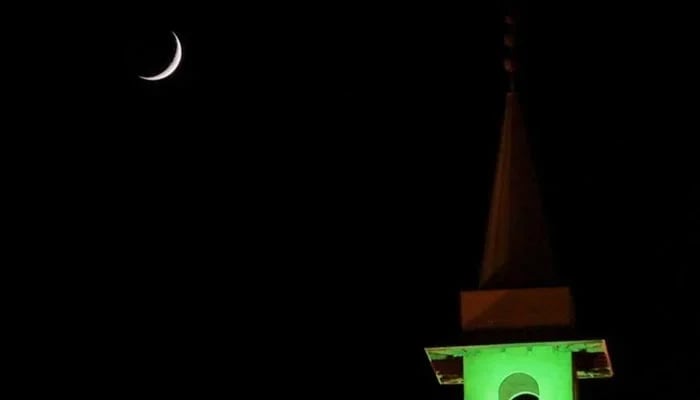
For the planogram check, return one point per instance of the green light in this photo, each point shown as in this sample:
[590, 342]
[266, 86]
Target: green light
[541, 370]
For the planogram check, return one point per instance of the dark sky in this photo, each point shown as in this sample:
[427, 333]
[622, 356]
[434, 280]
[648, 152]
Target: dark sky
[299, 206]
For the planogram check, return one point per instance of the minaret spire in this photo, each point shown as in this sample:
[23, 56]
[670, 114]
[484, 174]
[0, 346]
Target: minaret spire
[517, 252]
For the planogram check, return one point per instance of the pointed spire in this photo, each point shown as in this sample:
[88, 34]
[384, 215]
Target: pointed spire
[517, 252]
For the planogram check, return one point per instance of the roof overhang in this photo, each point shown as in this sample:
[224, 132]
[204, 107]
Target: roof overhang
[590, 357]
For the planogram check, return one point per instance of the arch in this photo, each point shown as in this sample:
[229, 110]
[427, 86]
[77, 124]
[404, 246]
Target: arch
[525, 396]
[517, 384]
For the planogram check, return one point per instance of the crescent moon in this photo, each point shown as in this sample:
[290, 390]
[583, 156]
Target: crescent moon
[173, 64]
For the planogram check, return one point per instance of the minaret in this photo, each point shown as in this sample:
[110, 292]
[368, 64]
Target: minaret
[518, 328]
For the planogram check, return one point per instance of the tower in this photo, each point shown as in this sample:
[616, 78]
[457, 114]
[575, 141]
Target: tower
[518, 329]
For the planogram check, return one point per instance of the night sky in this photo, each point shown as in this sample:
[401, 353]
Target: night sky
[297, 208]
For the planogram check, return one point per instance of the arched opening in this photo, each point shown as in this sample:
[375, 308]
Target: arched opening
[525, 396]
[519, 386]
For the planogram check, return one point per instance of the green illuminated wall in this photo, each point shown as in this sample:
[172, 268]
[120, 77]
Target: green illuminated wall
[501, 373]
